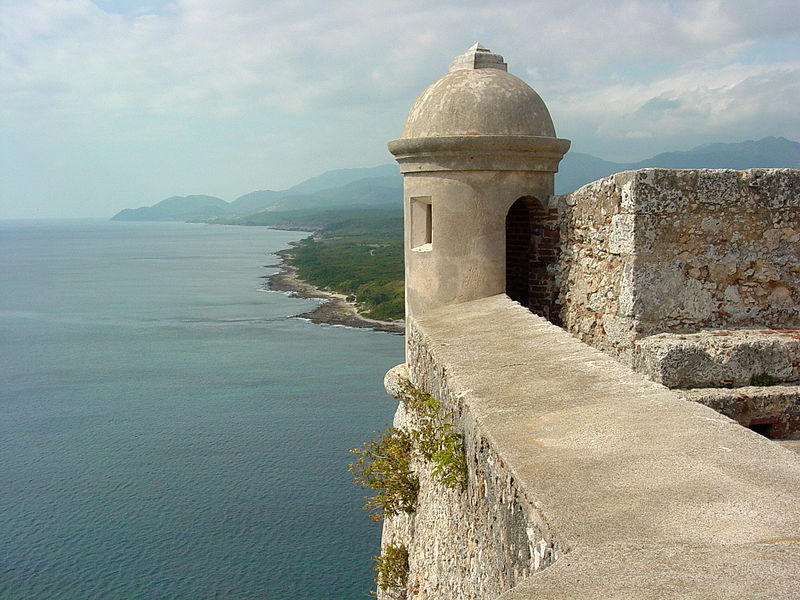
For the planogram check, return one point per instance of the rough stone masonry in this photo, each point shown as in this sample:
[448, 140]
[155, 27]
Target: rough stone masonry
[679, 251]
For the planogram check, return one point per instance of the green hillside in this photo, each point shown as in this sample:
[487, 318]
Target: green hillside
[360, 256]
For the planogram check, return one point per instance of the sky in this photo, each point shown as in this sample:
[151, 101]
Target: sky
[108, 104]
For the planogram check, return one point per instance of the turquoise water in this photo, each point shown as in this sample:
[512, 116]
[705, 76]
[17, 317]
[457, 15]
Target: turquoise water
[166, 431]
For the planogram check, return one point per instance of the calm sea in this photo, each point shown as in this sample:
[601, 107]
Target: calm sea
[166, 430]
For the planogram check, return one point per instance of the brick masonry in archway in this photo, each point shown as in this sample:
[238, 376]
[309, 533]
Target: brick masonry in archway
[531, 246]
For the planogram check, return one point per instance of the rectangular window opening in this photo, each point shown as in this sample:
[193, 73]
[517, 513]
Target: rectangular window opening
[421, 224]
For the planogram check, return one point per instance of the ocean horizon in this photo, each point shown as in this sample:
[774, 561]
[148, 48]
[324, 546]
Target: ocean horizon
[168, 429]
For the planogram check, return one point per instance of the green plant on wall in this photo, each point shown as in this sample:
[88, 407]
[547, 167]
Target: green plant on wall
[435, 439]
[392, 568]
[384, 464]
[450, 462]
[762, 380]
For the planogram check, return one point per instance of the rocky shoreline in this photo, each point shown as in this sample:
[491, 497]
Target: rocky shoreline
[335, 311]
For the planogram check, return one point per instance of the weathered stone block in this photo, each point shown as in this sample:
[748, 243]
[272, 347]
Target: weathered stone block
[719, 358]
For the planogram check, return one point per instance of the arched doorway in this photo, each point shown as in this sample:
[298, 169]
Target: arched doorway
[528, 255]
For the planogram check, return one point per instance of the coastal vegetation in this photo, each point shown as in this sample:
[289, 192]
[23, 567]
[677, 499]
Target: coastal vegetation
[434, 438]
[360, 257]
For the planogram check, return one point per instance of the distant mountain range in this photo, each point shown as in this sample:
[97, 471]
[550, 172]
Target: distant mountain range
[381, 187]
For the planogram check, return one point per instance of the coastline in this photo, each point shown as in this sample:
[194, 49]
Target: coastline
[336, 310]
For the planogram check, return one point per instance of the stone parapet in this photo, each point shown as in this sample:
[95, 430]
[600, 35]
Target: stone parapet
[628, 490]
[471, 544]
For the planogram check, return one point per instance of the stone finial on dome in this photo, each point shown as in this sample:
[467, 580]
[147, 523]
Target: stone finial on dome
[478, 57]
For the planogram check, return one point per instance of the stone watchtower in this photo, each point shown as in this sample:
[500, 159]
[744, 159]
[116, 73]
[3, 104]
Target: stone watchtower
[479, 154]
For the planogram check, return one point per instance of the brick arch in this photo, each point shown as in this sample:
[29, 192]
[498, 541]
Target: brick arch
[531, 246]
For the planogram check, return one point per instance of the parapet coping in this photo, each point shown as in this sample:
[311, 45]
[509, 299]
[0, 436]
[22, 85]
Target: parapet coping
[758, 179]
[654, 496]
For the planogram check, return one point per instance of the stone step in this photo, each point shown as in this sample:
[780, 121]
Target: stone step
[773, 411]
[719, 358]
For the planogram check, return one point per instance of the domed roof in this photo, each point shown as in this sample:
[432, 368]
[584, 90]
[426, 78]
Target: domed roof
[478, 97]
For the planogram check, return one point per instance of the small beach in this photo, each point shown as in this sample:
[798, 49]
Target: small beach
[336, 310]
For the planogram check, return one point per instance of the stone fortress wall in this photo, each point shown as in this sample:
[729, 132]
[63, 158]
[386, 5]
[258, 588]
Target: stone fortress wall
[585, 478]
[693, 278]
[678, 251]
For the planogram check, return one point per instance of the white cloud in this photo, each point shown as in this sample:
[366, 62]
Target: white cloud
[696, 101]
[226, 54]
[612, 72]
